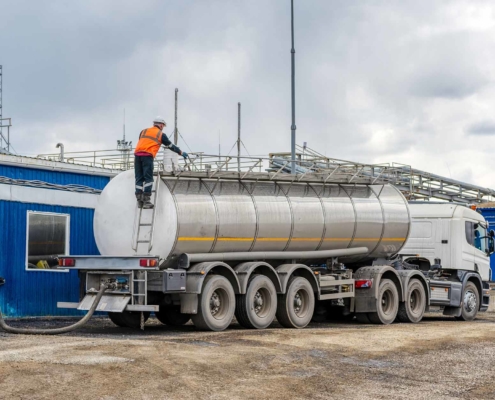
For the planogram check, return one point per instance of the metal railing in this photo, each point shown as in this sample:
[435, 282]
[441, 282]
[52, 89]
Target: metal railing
[311, 166]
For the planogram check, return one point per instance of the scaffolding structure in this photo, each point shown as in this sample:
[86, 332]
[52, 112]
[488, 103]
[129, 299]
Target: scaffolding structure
[311, 167]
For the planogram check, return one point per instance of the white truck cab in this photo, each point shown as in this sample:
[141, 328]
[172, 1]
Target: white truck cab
[455, 235]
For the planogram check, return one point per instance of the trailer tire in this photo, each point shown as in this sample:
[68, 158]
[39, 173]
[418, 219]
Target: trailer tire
[216, 305]
[117, 319]
[172, 317]
[414, 305]
[256, 309]
[128, 319]
[362, 318]
[387, 303]
[469, 302]
[296, 306]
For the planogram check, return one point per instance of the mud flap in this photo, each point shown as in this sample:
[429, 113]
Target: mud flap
[108, 303]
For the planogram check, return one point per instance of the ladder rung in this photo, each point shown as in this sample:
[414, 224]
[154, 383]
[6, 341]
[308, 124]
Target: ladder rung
[139, 280]
[144, 294]
[145, 224]
[143, 241]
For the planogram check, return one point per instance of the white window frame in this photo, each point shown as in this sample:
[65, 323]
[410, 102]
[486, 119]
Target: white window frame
[67, 239]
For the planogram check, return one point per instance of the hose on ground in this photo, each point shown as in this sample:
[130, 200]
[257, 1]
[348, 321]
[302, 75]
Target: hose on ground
[55, 331]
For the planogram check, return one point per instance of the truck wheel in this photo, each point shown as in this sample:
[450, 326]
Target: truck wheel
[470, 302]
[216, 304]
[128, 319]
[117, 319]
[387, 303]
[413, 307]
[256, 309]
[172, 317]
[296, 306]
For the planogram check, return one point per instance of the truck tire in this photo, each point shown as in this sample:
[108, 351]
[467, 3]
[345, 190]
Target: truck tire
[414, 305]
[128, 319]
[469, 302]
[296, 306]
[172, 317]
[387, 303]
[216, 304]
[256, 309]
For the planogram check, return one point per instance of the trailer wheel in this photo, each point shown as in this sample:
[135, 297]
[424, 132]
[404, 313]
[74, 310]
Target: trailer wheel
[387, 303]
[216, 304]
[256, 309]
[296, 306]
[117, 319]
[413, 307]
[469, 303]
[128, 319]
[172, 317]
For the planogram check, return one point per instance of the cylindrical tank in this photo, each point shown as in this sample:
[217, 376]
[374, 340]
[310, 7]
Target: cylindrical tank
[202, 216]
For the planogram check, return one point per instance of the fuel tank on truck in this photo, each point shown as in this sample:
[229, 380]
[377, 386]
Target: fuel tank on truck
[212, 216]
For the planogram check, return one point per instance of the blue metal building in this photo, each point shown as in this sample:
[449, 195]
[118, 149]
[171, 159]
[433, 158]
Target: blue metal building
[489, 214]
[44, 206]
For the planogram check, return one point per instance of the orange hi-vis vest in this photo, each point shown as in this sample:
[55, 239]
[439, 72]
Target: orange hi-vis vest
[150, 141]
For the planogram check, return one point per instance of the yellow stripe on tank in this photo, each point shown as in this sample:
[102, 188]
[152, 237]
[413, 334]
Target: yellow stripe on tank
[241, 239]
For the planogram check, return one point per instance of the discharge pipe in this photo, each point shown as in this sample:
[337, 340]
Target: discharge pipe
[56, 331]
[186, 259]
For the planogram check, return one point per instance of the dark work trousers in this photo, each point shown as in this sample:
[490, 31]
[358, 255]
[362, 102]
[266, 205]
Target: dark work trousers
[143, 169]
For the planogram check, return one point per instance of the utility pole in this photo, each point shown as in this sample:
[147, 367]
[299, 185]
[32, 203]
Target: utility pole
[293, 82]
[239, 137]
[176, 135]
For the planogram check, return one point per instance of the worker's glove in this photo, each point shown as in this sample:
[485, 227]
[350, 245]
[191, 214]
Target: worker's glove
[185, 155]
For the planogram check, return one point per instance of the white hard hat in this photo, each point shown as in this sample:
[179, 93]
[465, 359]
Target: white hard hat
[159, 120]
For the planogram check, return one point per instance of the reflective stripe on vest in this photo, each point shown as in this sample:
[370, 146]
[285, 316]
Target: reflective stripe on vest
[149, 141]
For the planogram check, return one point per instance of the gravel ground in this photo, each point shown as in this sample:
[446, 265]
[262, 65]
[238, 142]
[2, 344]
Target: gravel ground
[437, 359]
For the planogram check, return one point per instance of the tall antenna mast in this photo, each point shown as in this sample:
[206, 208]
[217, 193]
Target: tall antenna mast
[239, 137]
[176, 136]
[293, 84]
[125, 148]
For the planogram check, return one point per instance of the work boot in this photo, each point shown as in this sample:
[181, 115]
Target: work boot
[139, 198]
[146, 201]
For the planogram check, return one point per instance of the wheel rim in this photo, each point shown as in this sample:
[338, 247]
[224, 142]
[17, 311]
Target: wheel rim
[470, 301]
[262, 302]
[415, 301]
[301, 303]
[387, 302]
[219, 303]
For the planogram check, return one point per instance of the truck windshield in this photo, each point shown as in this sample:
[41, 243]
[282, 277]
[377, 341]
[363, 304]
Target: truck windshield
[476, 235]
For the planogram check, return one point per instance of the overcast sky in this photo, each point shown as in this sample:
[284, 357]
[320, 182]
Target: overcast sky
[376, 81]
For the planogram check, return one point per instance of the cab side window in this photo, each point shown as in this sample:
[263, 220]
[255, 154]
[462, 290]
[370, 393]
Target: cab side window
[476, 235]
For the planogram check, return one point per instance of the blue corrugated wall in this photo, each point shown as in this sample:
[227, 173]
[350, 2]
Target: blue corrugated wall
[35, 293]
[60, 178]
[489, 215]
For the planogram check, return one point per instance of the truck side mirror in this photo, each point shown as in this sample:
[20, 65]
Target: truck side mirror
[491, 245]
[491, 233]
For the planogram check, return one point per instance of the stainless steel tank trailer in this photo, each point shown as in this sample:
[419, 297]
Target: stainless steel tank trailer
[262, 249]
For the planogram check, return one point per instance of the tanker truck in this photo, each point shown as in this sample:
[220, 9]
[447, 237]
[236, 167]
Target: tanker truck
[261, 249]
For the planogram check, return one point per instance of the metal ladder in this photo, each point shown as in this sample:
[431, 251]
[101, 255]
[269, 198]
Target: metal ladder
[138, 222]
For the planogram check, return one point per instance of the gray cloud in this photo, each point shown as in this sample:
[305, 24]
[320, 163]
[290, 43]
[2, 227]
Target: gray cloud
[377, 81]
[482, 128]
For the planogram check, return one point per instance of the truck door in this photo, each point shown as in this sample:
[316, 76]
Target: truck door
[468, 247]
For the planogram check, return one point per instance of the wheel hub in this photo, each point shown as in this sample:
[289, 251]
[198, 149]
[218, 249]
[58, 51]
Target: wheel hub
[298, 302]
[470, 303]
[215, 303]
[258, 302]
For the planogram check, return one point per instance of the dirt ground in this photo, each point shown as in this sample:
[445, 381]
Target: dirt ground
[437, 359]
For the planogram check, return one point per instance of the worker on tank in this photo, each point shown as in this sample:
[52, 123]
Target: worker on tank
[147, 148]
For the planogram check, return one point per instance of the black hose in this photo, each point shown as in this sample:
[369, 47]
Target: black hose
[55, 331]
